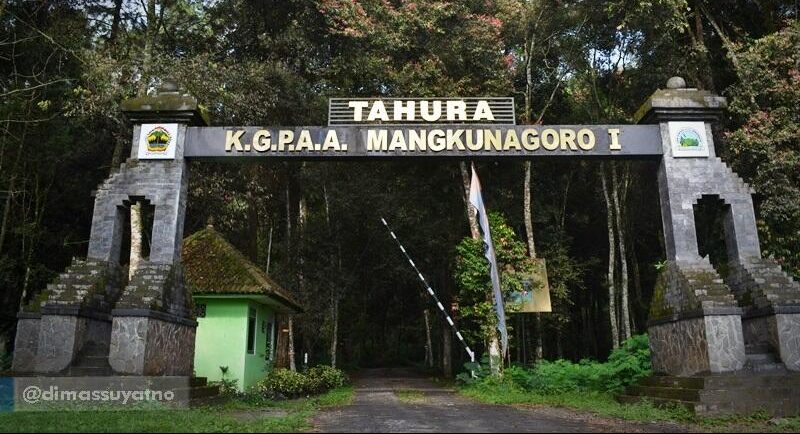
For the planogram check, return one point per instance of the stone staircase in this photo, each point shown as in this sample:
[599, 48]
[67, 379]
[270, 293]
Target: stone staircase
[720, 394]
[85, 284]
[707, 286]
[761, 284]
[689, 288]
[92, 361]
[156, 287]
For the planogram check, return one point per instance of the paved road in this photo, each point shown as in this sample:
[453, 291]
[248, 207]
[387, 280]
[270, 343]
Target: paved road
[383, 404]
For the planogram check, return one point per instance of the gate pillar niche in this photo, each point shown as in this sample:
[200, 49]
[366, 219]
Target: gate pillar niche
[153, 331]
[700, 321]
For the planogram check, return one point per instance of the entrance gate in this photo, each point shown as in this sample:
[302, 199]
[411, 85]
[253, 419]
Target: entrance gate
[699, 322]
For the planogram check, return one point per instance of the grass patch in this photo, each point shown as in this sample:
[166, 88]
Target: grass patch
[758, 422]
[409, 396]
[206, 419]
[604, 404]
[601, 403]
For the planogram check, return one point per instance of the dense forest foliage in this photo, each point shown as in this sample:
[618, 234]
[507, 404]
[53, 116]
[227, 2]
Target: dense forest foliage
[66, 65]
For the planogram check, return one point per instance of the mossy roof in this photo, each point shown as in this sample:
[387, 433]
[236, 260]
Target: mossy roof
[212, 265]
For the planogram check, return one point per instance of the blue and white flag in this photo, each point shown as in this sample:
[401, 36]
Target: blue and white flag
[476, 199]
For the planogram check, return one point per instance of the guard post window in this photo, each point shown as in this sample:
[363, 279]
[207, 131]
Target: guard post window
[251, 331]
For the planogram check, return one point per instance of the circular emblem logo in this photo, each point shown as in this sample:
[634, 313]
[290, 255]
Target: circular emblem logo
[689, 138]
[158, 140]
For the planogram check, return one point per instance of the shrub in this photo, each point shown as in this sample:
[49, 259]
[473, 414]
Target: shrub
[227, 386]
[323, 378]
[625, 366]
[284, 383]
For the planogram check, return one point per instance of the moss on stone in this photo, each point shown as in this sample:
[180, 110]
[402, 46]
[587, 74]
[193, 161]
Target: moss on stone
[213, 266]
[658, 305]
[35, 305]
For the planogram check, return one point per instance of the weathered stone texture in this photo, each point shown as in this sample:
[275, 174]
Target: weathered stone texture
[151, 346]
[725, 342]
[679, 347]
[788, 331]
[710, 343]
[26, 344]
[170, 349]
[60, 339]
[128, 342]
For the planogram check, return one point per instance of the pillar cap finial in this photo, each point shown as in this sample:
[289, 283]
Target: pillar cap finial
[168, 86]
[676, 82]
[169, 104]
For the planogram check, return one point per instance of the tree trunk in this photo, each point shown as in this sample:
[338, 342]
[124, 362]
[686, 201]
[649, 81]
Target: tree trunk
[529, 77]
[612, 310]
[136, 239]
[472, 213]
[428, 341]
[495, 356]
[252, 226]
[302, 215]
[292, 365]
[539, 346]
[149, 45]
[269, 250]
[637, 283]
[526, 205]
[288, 221]
[528, 213]
[334, 288]
[447, 351]
[615, 186]
[116, 17]
[335, 331]
[12, 184]
[559, 347]
[6, 214]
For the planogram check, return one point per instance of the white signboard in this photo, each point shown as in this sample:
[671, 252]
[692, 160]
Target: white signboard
[158, 141]
[688, 139]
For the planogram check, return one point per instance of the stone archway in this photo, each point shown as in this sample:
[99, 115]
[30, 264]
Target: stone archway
[696, 322]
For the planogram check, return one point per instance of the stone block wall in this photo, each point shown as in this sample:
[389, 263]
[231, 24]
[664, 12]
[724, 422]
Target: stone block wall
[143, 345]
[691, 346]
[26, 343]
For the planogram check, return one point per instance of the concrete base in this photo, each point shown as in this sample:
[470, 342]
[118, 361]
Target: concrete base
[742, 393]
[62, 337]
[26, 343]
[151, 343]
[703, 344]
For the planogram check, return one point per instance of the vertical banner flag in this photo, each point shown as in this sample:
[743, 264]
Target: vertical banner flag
[476, 199]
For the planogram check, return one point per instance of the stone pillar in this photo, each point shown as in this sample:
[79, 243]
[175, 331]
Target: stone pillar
[695, 322]
[153, 332]
[143, 325]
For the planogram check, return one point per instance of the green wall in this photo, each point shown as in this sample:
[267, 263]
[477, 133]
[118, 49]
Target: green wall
[222, 340]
